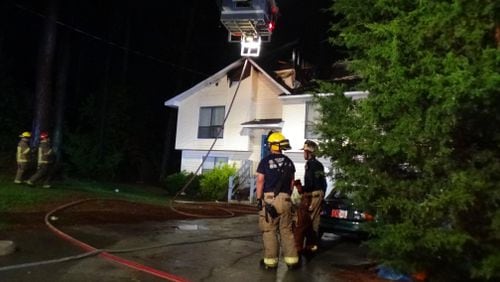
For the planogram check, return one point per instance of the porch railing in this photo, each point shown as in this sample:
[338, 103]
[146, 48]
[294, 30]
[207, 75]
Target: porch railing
[242, 184]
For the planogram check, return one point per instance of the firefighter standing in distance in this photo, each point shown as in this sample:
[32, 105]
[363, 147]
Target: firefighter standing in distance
[275, 175]
[22, 156]
[314, 186]
[45, 159]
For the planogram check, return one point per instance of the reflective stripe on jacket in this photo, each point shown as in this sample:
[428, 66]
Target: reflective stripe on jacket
[23, 150]
[44, 153]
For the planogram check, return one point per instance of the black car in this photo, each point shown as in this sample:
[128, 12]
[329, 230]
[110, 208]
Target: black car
[341, 217]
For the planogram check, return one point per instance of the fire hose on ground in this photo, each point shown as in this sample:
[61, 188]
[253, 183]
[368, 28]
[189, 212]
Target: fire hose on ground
[108, 254]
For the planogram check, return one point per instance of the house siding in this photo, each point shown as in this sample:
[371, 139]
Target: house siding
[219, 94]
[294, 114]
[257, 97]
[267, 103]
[191, 160]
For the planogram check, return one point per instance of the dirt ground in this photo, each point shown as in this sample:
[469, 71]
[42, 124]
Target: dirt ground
[120, 211]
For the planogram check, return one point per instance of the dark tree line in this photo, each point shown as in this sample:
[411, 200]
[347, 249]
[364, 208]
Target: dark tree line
[95, 76]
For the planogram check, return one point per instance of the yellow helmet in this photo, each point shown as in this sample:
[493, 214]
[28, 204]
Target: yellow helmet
[278, 142]
[25, 134]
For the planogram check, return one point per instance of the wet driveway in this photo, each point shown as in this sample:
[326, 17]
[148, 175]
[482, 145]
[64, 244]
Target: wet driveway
[195, 250]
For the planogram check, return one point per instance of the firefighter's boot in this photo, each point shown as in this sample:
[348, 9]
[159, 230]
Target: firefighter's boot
[269, 264]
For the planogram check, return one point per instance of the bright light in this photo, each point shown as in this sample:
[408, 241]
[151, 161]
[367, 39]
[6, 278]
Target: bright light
[250, 46]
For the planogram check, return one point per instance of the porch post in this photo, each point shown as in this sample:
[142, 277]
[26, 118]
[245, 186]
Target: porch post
[230, 188]
[252, 188]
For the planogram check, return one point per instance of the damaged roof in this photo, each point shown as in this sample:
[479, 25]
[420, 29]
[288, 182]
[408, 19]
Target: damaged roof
[229, 70]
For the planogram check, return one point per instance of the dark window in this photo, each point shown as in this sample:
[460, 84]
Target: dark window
[210, 122]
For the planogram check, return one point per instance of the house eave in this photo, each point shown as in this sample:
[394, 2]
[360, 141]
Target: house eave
[264, 126]
[175, 101]
[352, 94]
[356, 94]
[263, 123]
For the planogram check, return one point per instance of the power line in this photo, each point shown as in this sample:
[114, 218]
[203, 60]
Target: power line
[216, 136]
[108, 42]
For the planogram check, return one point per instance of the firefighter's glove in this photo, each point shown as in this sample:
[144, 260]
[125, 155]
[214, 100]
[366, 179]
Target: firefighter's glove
[259, 204]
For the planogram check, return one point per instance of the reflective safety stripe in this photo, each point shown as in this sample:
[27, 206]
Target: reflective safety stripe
[291, 260]
[19, 154]
[272, 262]
[43, 158]
[22, 156]
[40, 156]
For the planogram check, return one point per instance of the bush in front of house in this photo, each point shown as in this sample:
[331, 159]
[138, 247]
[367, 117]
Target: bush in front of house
[175, 182]
[213, 185]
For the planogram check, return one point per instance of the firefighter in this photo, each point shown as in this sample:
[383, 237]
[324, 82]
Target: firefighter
[45, 159]
[275, 175]
[314, 188]
[22, 156]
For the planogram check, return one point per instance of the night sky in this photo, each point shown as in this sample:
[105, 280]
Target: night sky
[163, 39]
[156, 49]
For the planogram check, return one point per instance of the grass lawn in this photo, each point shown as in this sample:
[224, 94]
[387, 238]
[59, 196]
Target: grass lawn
[14, 197]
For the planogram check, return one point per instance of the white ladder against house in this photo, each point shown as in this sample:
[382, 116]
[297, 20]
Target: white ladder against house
[242, 184]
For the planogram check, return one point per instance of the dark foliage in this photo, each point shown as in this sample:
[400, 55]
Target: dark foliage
[422, 151]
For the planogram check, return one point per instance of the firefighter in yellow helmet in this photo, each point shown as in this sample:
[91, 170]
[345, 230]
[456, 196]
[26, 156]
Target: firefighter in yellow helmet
[275, 175]
[45, 160]
[22, 156]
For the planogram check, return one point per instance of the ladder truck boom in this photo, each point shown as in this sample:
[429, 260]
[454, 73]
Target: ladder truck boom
[249, 22]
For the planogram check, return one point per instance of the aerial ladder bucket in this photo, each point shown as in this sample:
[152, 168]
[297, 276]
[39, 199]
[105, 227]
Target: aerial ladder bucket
[249, 22]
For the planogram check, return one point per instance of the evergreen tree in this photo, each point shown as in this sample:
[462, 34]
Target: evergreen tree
[422, 152]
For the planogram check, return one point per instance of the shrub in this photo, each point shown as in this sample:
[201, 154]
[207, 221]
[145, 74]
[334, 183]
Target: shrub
[175, 182]
[213, 185]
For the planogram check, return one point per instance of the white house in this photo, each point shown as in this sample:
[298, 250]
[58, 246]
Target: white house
[260, 104]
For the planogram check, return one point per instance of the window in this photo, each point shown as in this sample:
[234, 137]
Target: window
[210, 122]
[312, 116]
[212, 162]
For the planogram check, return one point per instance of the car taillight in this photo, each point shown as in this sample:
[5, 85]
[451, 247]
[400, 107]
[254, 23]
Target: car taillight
[270, 26]
[366, 216]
